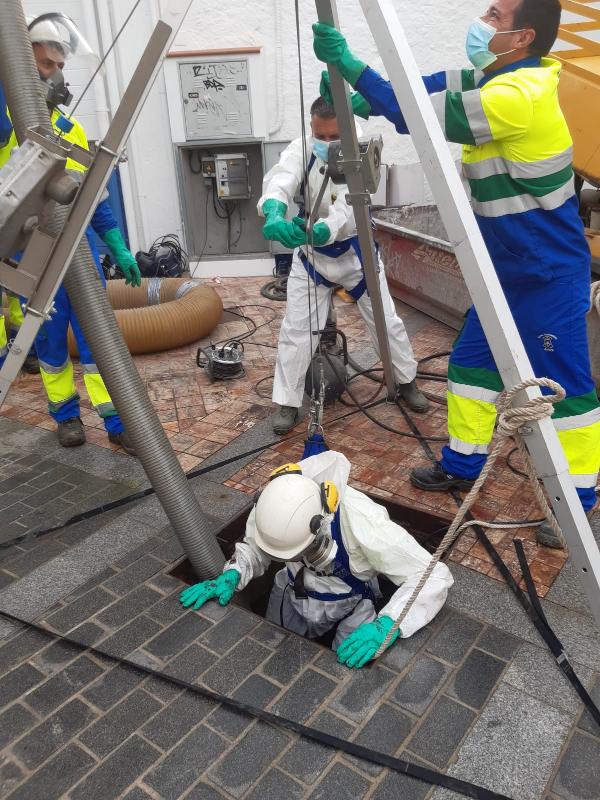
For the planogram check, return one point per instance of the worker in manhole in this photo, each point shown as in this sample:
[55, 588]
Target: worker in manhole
[517, 157]
[55, 38]
[334, 541]
[333, 257]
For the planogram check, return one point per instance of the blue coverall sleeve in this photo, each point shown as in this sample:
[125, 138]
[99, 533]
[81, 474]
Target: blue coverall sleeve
[6, 127]
[380, 95]
[103, 219]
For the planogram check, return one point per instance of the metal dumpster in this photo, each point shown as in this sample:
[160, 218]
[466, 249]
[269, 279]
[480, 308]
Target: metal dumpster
[422, 271]
[420, 264]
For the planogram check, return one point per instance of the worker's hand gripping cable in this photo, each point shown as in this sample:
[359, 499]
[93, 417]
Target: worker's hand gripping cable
[510, 422]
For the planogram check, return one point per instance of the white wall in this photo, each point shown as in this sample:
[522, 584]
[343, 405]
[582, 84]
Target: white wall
[436, 32]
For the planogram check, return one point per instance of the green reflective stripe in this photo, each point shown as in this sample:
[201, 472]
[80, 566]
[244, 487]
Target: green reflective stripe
[573, 406]
[466, 448]
[106, 410]
[455, 121]
[524, 202]
[60, 403]
[518, 169]
[476, 376]
[473, 392]
[469, 79]
[52, 370]
[90, 369]
[497, 187]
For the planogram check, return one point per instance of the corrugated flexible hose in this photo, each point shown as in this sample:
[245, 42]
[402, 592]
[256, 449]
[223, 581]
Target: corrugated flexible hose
[20, 80]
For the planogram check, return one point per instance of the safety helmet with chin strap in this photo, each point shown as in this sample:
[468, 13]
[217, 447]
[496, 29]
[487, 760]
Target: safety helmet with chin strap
[290, 514]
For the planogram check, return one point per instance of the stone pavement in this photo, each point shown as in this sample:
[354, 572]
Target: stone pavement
[475, 694]
[201, 418]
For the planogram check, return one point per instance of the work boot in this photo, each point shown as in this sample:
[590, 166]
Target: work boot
[71, 432]
[284, 419]
[31, 365]
[413, 397]
[436, 479]
[123, 440]
[545, 536]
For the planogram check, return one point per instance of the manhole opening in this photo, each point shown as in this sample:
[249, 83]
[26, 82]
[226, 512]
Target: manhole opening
[428, 529]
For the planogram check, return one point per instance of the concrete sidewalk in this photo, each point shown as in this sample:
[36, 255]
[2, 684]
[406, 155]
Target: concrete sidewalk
[475, 694]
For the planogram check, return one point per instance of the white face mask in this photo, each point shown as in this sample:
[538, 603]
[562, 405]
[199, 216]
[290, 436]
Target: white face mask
[479, 37]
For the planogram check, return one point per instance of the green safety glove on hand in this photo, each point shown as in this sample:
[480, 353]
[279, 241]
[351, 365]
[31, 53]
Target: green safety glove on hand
[320, 232]
[362, 644]
[278, 228]
[360, 106]
[222, 588]
[123, 256]
[331, 47]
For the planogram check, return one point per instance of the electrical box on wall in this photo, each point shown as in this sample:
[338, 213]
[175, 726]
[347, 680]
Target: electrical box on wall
[216, 96]
[216, 99]
[232, 176]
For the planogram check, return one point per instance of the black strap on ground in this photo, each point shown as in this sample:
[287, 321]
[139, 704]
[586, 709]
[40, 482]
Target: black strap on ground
[550, 637]
[429, 776]
[531, 604]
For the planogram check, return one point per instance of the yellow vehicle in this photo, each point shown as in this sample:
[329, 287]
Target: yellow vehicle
[579, 88]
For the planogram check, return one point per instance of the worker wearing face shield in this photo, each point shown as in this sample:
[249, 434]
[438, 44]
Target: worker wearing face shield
[329, 256]
[334, 541]
[55, 38]
[517, 158]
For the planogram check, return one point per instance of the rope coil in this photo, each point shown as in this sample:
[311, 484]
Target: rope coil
[510, 422]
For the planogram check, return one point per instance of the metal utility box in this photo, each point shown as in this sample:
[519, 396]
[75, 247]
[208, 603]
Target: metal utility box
[216, 98]
[219, 190]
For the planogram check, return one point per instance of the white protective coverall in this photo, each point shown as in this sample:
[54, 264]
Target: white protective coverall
[294, 349]
[373, 544]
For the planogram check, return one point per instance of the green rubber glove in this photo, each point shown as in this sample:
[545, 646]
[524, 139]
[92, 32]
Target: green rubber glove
[362, 644]
[123, 256]
[360, 106]
[331, 47]
[278, 228]
[222, 588]
[321, 233]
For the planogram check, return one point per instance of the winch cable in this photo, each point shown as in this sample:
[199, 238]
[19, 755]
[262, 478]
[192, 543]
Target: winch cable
[528, 602]
[400, 765]
[317, 404]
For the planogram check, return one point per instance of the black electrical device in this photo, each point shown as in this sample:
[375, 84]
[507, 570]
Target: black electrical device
[222, 362]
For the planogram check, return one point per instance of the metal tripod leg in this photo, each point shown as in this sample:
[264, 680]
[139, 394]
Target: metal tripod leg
[360, 199]
[483, 284]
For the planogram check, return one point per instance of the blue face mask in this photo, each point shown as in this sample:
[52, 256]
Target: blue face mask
[320, 149]
[479, 36]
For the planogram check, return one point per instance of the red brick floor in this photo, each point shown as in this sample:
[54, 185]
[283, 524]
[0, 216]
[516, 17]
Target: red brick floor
[200, 418]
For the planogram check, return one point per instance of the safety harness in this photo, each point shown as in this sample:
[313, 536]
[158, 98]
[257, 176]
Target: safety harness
[334, 250]
[360, 589]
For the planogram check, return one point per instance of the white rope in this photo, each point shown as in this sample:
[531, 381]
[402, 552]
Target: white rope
[510, 421]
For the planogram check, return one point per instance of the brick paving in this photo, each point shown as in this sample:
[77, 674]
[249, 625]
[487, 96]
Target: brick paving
[200, 418]
[475, 694]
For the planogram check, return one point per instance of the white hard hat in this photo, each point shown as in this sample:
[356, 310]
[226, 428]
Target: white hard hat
[284, 512]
